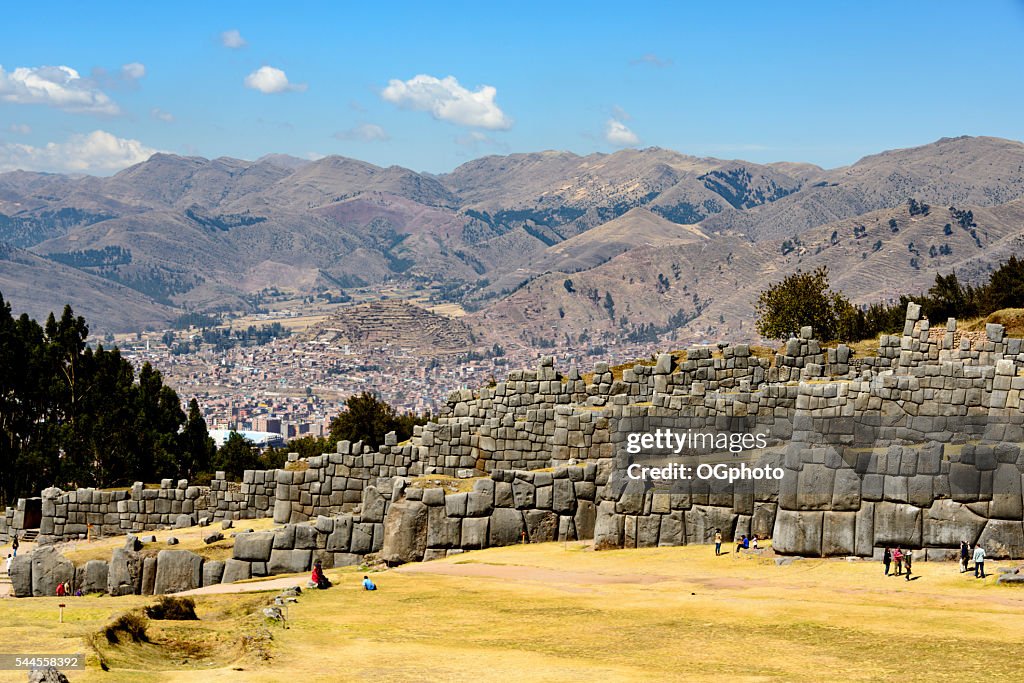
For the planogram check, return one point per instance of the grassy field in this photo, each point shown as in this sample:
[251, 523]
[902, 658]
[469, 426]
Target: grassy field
[556, 612]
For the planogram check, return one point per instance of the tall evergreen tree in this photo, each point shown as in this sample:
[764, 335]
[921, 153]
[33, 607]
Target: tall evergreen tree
[197, 448]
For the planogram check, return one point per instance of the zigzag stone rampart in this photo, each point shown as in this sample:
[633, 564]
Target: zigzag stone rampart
[918, 446]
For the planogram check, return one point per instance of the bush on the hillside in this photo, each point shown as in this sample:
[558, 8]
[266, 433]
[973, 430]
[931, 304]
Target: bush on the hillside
[172, 609]
[803, 299]
[130, 626]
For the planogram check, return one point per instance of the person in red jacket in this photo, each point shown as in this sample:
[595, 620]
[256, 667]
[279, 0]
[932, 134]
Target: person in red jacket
[318, 576]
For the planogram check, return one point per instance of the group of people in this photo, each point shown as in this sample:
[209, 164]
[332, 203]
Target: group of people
[747, 543]
[903, 559]
[322, 582]
[64, 589]
[978, 556]
[743, 543]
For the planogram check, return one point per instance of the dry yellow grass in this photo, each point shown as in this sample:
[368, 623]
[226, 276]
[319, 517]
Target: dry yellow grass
[556, 612]
[190, 538]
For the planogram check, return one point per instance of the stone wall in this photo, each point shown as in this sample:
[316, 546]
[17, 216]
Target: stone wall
[911, 447]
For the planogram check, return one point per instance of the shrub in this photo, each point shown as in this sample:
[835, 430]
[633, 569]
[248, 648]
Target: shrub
[172, 608]
[131, 625]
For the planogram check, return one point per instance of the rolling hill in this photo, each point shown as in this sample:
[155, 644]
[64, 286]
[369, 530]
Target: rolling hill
[680, 243]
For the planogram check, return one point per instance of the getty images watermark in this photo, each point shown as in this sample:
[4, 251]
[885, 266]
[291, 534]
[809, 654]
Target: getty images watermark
[663, 442]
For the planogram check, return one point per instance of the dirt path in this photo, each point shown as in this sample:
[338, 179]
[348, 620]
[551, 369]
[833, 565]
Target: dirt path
[279, 583]
[523, 573]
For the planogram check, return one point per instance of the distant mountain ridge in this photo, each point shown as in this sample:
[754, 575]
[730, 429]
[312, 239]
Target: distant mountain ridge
[500, 232]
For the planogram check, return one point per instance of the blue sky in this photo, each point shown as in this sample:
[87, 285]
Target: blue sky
[431, 85]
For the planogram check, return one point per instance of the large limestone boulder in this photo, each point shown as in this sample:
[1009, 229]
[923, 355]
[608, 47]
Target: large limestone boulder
[585, 518]
[1001, 539]
[541, 526]
[290, 561]
[608, 527]
[340, 539]
[177, 570]
[373, 505]
[46, 676]
[506, 527]
[236, 570]
[474, 532]
[49, 568]
[947, 522]
[838, 536]
[21, 576]
[213, 572]
[798, 533]
[1006, 493]
[94, 577]
[254, 547]
[148, 575]
[702, 520]
[405, 531]
[897, 524]
[443, 531]
[125, 574]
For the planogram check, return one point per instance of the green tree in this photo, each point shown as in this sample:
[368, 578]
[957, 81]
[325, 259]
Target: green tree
[236, 456]
[803, 299]
[1005, 288]
[366, 418]
[197, 448]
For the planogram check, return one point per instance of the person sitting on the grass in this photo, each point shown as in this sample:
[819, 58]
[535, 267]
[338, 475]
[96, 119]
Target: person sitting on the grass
[742, 544]
[369, 585]
[318, 577]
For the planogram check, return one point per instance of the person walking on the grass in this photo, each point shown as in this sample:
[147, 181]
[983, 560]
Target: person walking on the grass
[897, 556]
[718, 542]
[979, 562]
[14, 544]
[908, 558]
[965, 556]
[887, 560]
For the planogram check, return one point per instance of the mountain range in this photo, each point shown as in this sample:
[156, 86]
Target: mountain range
[537, 246]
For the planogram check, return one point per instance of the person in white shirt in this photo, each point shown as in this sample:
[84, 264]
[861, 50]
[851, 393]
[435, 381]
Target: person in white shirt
[979, 562]
[10, 558]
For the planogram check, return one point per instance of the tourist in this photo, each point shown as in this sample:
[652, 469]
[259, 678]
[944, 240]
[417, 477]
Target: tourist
[887, 560]
[60, 590]
[319, 578]
[718, 542]
[742, 544]
[14, 544]
[897, 557]
[753, 542]
[10, 558]
[979, 562]
[908, 558]
[368, 585]
[965, 556]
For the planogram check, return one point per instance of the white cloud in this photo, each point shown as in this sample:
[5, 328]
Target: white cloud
[97, 152]
[20, 128]
[446, 100]
[232, 39]
[55, 86]
[269, 80]
[366, 132]
[133, 71]
[652, 59]
[619, 134]
[161, 115]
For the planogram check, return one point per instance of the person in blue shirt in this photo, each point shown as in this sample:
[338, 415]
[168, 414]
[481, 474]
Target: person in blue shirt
[368, 585]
